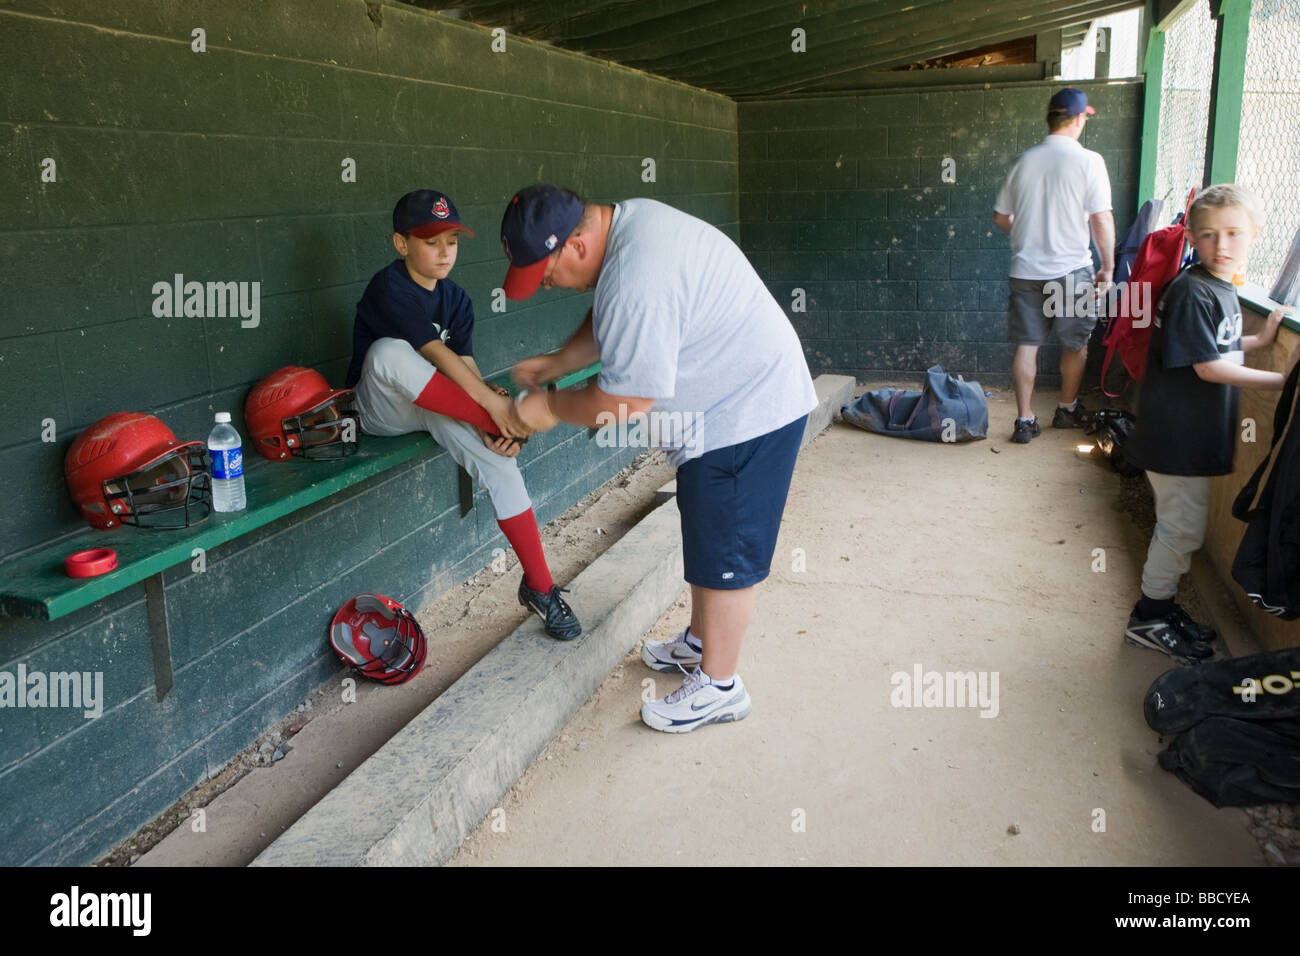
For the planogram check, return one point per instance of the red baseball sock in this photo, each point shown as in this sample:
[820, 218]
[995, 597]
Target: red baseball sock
[521, 532]
[445, 397]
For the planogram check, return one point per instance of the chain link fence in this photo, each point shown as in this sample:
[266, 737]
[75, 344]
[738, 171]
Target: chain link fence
[1268, 150]
[1184, 107]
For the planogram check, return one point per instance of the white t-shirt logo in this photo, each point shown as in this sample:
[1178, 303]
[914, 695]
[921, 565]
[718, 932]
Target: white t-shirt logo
[1229, 329]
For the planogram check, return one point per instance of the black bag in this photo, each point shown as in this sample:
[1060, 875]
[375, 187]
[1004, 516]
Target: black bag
[1181, 698]
[945, 409]
[1238, 727]
[1238, 763]
[1113, 428]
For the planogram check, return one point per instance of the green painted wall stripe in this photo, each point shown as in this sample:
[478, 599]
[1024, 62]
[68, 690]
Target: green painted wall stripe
[1154, 69]
[1228, 96]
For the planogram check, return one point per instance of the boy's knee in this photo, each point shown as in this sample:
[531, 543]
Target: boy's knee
[387, 355]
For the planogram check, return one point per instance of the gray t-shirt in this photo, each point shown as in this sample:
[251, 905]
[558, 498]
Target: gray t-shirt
[681, 316]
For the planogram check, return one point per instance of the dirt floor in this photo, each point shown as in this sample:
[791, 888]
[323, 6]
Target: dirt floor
[971, 558]
[893, 555]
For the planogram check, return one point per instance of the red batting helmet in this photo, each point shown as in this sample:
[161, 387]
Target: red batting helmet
[128, 468]
[293, 411]
[379, 637]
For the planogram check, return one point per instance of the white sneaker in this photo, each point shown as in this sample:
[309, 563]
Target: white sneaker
[671, 655]
[695, 704]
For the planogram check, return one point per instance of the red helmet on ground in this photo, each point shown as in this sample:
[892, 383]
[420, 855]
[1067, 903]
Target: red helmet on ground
[293, 411]
[379, 637]
[129, 468]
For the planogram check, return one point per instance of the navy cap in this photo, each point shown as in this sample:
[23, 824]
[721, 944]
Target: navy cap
[1071, 102]
[536, 223]
[426, 213]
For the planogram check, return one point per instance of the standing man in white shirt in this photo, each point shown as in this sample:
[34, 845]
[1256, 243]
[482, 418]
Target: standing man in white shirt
[1056, 194]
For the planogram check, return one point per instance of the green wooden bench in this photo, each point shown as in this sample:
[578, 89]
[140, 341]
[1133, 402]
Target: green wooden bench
[36, 585]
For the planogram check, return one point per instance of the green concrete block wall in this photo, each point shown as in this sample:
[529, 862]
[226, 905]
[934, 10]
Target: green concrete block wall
[225, 166]
[843, 198]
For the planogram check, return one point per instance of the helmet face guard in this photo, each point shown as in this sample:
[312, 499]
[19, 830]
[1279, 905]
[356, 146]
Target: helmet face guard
[326, 432]
[173, 491]
[380, 638]
[293, 413]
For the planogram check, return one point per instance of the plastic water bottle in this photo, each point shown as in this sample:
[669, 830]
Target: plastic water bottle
[227, 466]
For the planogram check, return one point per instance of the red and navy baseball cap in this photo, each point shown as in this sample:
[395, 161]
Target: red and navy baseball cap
[426, 213]
[538, 219]
[1071, 102]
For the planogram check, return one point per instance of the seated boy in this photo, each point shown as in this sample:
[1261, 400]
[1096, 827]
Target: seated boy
[1187, 420]
[413, 370]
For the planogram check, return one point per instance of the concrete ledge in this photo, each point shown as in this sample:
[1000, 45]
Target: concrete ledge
[417, 799]
[423, 792]
[833, 393]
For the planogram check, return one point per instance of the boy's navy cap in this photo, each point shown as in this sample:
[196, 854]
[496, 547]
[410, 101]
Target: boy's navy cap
[426, 213]
[537, 221]
[1071, 102]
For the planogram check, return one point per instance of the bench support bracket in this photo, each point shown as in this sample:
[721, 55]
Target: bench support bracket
[159, 635]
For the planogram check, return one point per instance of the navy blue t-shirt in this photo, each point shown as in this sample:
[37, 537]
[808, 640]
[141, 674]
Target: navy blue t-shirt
[395, 306]
[1186, 425]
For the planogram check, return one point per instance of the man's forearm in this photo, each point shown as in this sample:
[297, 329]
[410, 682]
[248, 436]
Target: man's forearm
[591, 407]
[1103, 233]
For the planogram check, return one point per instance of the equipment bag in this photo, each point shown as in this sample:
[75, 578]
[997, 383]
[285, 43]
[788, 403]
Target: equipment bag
[1158, 261]
[1238, 763]
[1258, 687]
[946, 409]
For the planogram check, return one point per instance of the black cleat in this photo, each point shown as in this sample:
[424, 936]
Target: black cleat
[561, 623]
[1192, 630]
[1166, 634]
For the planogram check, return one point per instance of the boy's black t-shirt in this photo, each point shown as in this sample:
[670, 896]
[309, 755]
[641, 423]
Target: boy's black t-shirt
[395, 306]
[1186, 425]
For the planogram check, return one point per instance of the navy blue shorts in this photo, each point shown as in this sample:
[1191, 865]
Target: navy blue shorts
[731, 500]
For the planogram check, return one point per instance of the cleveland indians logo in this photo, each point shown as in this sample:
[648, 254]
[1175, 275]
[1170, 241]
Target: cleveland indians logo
[441, 210]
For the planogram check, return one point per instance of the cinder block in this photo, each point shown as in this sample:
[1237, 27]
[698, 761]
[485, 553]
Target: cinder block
[886, 234]
[918, 265]
[919, 140]
[845, 264]
[949, 296]
[890, 295]
[889, 173]
[987, 264]
[872, 326]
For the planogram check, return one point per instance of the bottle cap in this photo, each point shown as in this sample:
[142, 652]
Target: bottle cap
[222, 417]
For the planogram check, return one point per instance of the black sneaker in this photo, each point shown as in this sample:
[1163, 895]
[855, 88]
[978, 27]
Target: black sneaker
[1196, 632]
[561, 623]
[1080, 417]
[1165, 634]
[1026, 431]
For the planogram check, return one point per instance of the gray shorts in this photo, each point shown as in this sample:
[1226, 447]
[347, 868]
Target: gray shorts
[1067, 303]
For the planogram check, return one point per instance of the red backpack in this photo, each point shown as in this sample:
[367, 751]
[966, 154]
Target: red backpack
[1158, 261]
